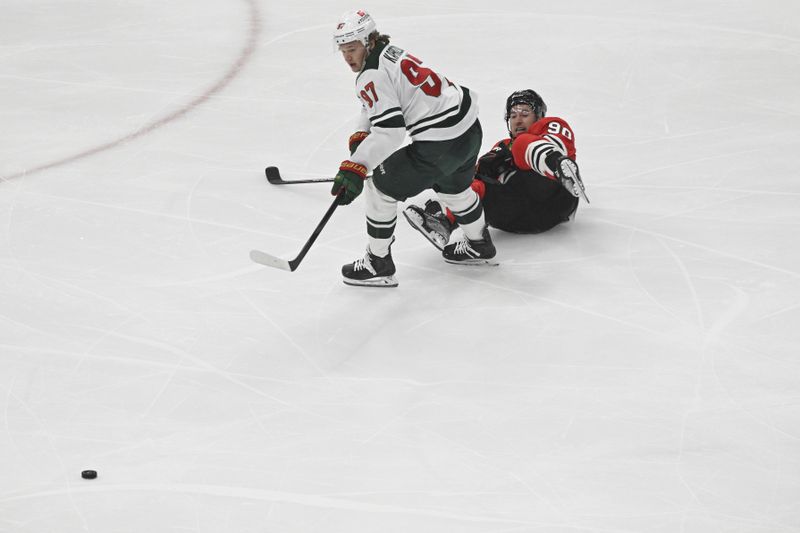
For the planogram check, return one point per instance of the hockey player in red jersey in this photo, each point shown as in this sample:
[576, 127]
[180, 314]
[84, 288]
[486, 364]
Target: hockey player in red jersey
[401, 95]
[528, 183]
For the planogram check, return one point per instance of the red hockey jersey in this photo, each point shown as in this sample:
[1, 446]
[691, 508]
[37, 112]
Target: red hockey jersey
[546, 135]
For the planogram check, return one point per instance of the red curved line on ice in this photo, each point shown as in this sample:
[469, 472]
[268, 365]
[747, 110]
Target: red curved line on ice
[235, 70]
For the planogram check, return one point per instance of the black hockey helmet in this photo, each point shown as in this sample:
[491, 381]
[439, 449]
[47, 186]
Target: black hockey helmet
[529, 97]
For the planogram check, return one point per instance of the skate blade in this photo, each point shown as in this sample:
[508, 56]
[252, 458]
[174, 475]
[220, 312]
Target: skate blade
[474, 262]
[417, 222]
[383, 281]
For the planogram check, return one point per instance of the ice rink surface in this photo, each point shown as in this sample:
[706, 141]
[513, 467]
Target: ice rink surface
[637, 370]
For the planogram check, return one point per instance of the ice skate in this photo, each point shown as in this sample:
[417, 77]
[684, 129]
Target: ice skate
[431, 222]
[469, 252]
[371, 271]
[570, 177]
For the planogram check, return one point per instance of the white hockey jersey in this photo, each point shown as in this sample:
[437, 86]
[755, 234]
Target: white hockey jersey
[398, 95]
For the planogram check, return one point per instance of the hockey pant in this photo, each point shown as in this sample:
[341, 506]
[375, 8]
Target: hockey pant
[528, 203]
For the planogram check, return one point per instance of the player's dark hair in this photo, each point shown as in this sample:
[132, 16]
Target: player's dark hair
[378, 38]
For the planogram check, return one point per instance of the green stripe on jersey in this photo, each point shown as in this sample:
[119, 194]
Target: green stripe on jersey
[396, 121]
[449, 122]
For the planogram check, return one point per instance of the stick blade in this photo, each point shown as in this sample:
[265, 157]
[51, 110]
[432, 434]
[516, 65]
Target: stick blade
[266, 259]
[273, 175]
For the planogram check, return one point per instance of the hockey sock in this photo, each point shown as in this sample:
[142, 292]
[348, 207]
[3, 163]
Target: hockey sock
[474, 230]
[380, 247]
[465, 206]
[480, 189]
[381, 214]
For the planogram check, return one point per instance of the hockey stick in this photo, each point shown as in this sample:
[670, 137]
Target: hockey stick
[274, 177]
[266, 259]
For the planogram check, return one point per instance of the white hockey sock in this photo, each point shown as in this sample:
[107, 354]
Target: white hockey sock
[380, 247]
[474, 230]
[381, 214]
[466, 206]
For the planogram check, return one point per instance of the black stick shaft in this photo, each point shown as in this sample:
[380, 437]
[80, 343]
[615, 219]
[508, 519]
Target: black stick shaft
[274, 177]
[294, 263]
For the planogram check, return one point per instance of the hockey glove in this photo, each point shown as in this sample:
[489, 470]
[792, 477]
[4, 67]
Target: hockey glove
[355, 140]
[497, 165]
[349, 181]
[566, 171]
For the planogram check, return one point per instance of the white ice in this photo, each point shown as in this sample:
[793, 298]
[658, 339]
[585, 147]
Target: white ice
[635, 371]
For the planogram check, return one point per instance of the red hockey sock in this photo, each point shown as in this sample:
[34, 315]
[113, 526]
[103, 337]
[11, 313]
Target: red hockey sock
[479, 187]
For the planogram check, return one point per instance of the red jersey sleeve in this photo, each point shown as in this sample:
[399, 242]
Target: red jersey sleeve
[545, 136]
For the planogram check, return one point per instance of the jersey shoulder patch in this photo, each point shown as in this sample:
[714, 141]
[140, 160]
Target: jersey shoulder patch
[393, 53]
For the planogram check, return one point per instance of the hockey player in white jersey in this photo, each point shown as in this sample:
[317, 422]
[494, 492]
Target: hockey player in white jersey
[399, 94]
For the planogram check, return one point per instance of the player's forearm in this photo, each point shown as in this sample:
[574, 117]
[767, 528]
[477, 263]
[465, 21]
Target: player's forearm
[530, 153]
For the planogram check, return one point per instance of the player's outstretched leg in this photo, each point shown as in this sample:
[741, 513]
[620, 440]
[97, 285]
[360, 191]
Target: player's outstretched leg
[371, 270]
[431, 222]
[471, 251]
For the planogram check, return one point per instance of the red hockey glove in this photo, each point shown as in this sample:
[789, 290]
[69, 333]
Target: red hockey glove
[355, 140]
[349, 181]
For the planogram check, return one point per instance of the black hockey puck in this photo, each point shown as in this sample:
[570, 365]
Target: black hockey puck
[89, 474]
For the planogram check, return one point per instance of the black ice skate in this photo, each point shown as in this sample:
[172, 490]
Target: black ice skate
[371, 271]
[431, 222]
[467, 252]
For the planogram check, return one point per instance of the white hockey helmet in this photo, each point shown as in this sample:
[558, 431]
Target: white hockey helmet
[354, 26]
